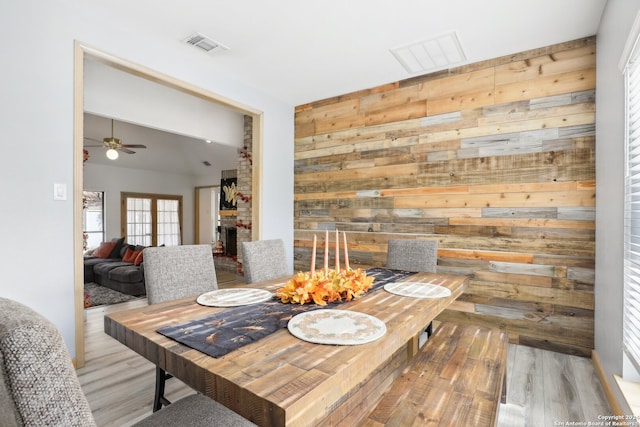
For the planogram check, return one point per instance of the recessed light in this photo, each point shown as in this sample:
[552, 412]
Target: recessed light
[208, 141]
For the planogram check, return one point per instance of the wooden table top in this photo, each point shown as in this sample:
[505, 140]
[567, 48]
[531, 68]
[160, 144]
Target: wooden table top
[281, 380]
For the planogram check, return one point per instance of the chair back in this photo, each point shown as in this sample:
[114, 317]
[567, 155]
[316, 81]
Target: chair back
[38, 383]
[174, 272]
[264, 260]
[412, 255]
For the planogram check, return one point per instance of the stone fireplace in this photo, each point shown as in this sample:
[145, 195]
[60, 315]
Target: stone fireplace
[228, 260]
[238, 221]
[230, 239]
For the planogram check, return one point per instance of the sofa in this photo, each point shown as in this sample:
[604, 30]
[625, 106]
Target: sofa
[116, 265]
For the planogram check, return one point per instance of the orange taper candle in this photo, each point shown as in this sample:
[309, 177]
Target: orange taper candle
[326, 251]
[346, 252]
[337, 251]
[313, 257]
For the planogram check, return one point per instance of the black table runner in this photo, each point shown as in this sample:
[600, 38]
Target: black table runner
[223, 332]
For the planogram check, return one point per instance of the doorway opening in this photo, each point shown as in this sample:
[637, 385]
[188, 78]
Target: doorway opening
[80, 54]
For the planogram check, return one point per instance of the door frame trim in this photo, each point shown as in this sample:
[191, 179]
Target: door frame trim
[82, 52]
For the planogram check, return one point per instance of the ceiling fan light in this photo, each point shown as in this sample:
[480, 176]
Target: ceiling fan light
[112, 154]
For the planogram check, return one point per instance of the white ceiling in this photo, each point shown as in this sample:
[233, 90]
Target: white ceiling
[301, 51]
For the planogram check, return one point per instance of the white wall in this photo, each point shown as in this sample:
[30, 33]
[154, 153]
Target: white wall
[114, 180]
[113, 93]
[612, 35]
[207, 198]
[36, 118]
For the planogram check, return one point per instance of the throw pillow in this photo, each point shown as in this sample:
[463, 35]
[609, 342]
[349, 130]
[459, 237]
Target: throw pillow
[138, 259]
[130, 255]
[104, 249]
[115, 252]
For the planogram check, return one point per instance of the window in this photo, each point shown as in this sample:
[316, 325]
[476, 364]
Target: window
[152, 219]
[631, 326]
[138, 226]
[92, 219]
[168, 223]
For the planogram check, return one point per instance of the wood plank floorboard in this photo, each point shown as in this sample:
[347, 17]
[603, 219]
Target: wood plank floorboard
[592, 397]
[525, 387]
[561, 399]
[543, 387]
[549, 389]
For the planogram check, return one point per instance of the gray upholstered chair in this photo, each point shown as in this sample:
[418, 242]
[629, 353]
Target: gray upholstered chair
[39, 385]
[412, 255]
[175, 272]
[264, 260]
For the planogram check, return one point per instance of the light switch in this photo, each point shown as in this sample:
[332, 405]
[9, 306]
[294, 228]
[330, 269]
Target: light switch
[59, 191]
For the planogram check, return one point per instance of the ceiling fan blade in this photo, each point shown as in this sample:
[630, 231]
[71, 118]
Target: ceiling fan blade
[93, 146]
[114, 143]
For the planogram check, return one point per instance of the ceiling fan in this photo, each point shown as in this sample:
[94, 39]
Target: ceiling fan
[114, 145]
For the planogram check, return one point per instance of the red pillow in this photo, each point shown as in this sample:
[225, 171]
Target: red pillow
[138, 259]
[104, 250]
[130, 255]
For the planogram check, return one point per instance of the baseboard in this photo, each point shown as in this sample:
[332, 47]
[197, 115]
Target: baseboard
[606, 385]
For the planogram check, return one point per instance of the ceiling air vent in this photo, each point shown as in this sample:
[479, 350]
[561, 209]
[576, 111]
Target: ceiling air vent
[205, 43]
[430, 55]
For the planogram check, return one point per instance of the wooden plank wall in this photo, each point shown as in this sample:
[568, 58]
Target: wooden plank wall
[494, 160]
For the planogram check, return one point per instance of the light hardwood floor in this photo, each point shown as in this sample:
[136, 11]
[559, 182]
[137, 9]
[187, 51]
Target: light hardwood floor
[550, 389]
[543, 388]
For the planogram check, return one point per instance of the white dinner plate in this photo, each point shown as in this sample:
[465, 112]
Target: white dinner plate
[417, 290]
[340, 327]
[233, 297]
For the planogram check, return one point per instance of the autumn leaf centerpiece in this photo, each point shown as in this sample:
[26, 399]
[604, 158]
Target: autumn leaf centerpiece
[326, 285]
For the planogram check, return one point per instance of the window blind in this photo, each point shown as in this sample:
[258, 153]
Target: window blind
[631, 321]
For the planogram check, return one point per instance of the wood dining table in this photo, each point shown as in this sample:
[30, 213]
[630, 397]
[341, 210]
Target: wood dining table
[281, 380]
